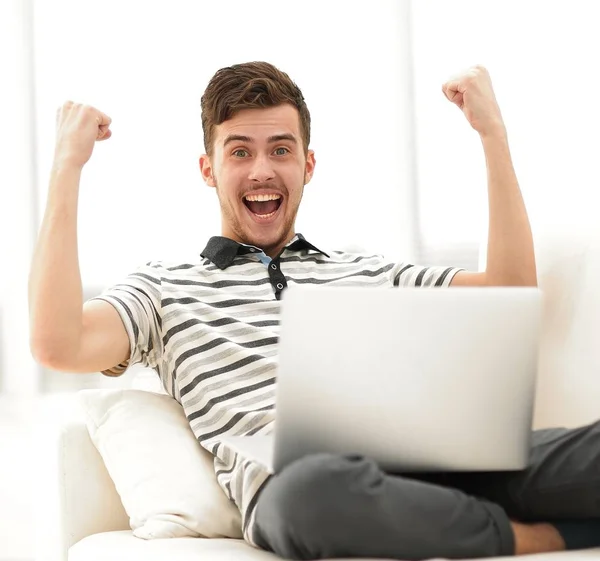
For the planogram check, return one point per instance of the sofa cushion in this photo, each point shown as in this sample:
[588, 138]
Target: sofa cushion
[568, 262]
[122, 546]
[165, 479]
[568, 266]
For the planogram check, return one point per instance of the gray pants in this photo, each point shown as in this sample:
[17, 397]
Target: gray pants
[327, 506]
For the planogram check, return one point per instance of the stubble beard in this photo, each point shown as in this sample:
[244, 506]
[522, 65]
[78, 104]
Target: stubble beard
[234, 224]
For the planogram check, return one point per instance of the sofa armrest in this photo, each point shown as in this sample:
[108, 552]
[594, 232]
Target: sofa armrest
[75, 496]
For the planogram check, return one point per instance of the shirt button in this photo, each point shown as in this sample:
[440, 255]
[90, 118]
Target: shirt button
[252, 249]
[280, 286]
[273, 266]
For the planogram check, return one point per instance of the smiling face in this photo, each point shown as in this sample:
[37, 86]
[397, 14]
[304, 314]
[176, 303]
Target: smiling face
[259, 167]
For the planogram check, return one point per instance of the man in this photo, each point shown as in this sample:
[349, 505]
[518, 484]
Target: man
[210, 328]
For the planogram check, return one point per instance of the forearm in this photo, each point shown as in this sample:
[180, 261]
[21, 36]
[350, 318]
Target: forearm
[55, 292]
[510, 255]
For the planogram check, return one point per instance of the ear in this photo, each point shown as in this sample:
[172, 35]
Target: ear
[207, 171]
[311, 162]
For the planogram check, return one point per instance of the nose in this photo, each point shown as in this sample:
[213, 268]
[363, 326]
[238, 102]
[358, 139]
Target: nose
[261, 170]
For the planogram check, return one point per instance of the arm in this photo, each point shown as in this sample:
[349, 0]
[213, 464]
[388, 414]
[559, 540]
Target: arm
[510, 255]
[65, 334]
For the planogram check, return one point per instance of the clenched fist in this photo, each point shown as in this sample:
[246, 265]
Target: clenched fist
[472, 92]
[78, 127]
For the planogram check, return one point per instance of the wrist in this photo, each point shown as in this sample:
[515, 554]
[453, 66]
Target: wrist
[66, 165]
[494, 133]
[65, 177]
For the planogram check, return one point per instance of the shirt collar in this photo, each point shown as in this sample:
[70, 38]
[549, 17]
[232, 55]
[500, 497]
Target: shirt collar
[222, 251]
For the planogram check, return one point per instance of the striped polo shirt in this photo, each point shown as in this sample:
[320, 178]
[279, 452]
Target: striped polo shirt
[210, 328]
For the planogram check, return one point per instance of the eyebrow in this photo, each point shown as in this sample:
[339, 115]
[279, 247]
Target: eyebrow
[250, 140]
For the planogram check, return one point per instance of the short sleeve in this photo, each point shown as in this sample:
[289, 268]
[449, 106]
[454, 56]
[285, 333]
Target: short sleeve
[408, 275]
[138, 301]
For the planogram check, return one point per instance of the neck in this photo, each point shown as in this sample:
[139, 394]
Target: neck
[273, 252]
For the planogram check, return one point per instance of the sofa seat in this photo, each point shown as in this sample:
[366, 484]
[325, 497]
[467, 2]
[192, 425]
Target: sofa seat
[123, 546]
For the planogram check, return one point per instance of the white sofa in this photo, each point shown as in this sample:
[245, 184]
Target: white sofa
[80, 516]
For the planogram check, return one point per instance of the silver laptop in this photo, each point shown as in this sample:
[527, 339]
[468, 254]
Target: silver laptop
[419, 379]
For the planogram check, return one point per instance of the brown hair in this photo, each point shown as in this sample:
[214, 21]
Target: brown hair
[251, 85]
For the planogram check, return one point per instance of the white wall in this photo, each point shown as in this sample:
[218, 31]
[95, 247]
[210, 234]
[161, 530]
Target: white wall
[542, 56]
[18, 372]
[18, 379]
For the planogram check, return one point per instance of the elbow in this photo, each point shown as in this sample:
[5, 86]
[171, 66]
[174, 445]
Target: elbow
[42, 354]
[52, 347]
[47, 354]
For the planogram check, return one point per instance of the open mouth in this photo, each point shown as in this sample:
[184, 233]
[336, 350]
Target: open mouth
[263, 206]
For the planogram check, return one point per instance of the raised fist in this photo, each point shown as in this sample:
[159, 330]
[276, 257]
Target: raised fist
[78, 127]
[472, 92]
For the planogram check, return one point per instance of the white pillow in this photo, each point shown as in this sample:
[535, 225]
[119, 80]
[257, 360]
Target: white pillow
[165, 479]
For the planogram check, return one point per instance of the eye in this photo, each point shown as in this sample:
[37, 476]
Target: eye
[281, 148]
[238, 151]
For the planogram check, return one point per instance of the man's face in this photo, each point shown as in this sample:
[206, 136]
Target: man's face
[259, 168]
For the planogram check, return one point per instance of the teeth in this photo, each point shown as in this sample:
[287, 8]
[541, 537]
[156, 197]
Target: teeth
[267, 215]
[261, 198]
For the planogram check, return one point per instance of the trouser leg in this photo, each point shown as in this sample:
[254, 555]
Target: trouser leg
[561, 482]
[560, 486]
[326, 506]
